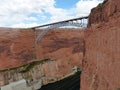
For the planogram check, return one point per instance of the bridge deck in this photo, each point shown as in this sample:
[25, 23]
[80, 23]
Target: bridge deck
[74, 19]
[47, 27]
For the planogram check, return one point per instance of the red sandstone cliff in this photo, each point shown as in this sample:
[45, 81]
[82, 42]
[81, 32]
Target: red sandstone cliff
[104, 12]
[101, 66]
[102, 48]
[18, 47]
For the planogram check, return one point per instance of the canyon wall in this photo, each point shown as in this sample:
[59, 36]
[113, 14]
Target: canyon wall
[95, 49]
[102, 48]
[62, 47]
[16, 47]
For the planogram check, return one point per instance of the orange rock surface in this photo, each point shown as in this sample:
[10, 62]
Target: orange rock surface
[17, 47]
[104, 11]
[61, 44]
[101, 65]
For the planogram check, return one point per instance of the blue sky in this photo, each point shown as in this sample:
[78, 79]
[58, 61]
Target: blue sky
[28, 13]
[66, 4]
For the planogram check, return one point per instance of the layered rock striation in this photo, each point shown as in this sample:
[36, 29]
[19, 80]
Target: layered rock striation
[19, 51]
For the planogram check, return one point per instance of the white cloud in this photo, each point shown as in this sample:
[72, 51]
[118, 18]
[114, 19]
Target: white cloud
[83, 7]
[25, 25]
[18, 13]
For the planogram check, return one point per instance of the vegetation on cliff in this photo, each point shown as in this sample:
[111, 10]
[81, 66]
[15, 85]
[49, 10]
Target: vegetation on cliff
[27, 67]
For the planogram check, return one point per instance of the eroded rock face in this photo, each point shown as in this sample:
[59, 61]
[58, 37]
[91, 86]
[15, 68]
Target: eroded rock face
[102, 49]
[18, 47]
[63, 44]
[104, 11]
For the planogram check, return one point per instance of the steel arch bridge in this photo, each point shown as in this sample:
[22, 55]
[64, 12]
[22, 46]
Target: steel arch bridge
[77, 22]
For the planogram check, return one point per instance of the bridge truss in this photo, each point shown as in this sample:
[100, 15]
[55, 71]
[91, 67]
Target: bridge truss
[43, 29]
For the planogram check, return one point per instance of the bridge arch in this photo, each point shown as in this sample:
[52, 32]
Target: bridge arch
[77, 22]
